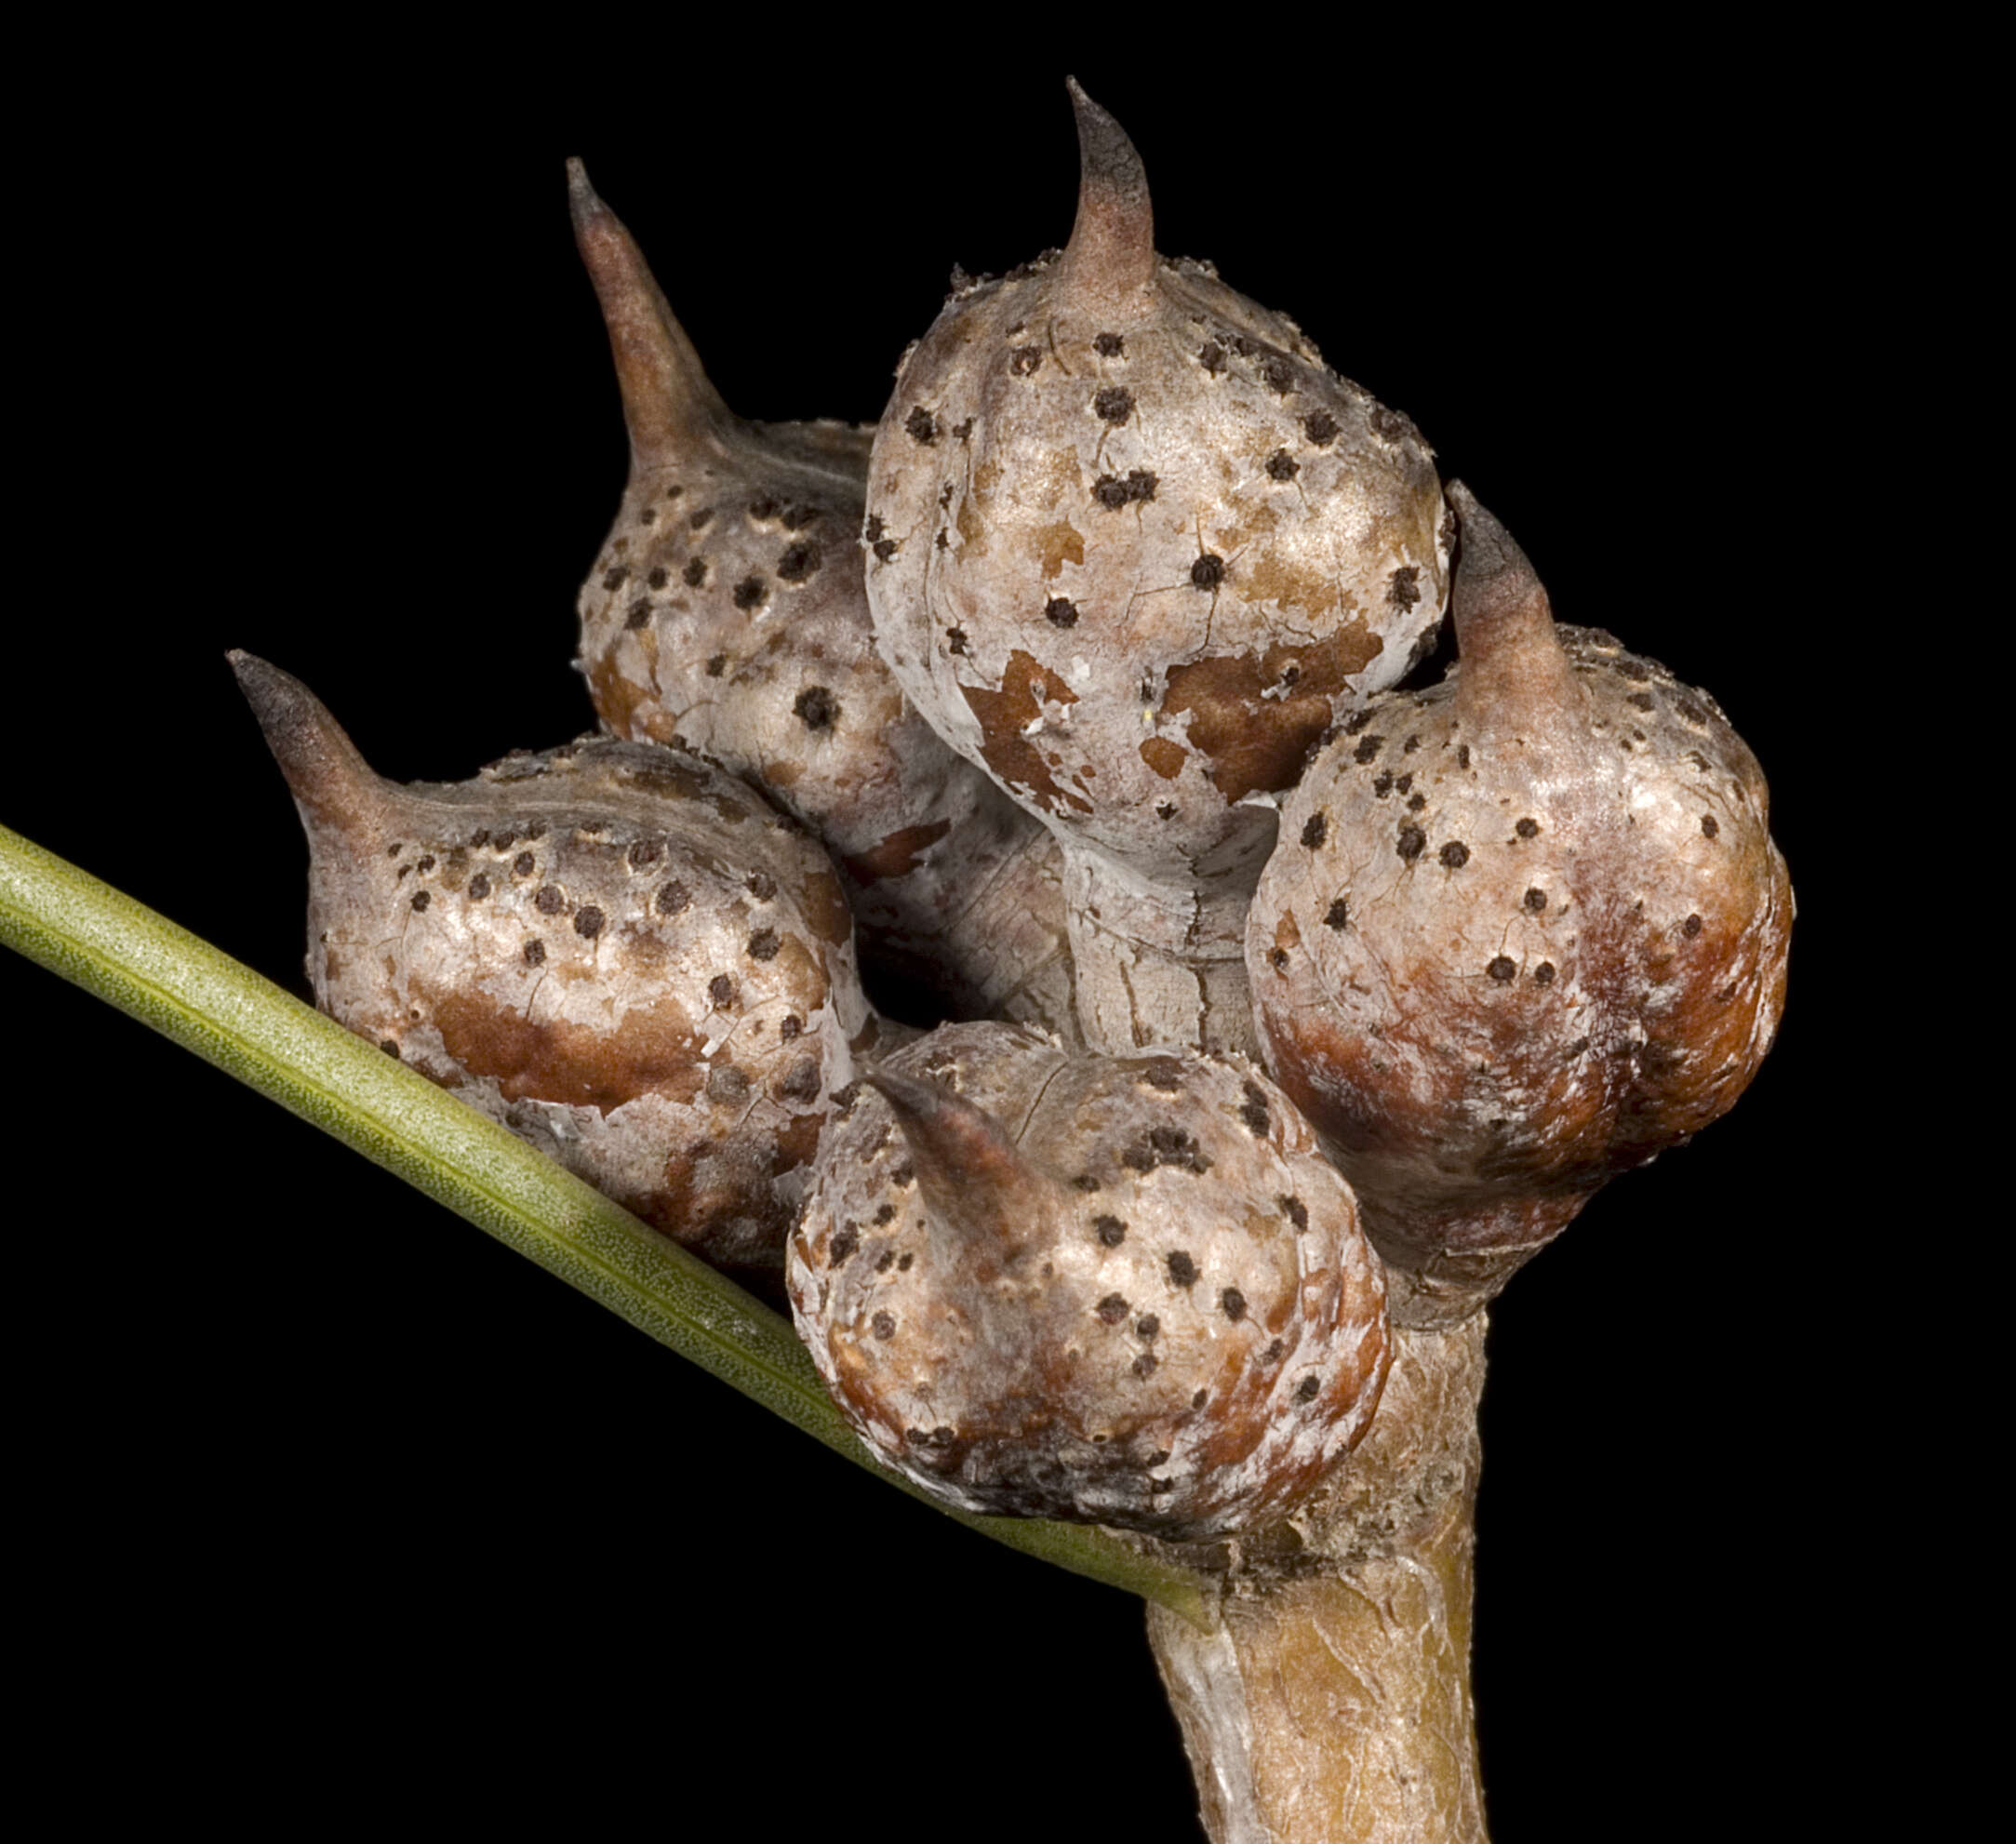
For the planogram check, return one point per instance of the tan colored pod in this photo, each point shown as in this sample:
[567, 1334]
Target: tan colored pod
[1123, 1290]
[727, 615]
[622, 954]
[1523, 932]
[1132, 548]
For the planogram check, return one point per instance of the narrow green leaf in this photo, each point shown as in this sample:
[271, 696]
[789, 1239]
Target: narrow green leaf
[104, 941]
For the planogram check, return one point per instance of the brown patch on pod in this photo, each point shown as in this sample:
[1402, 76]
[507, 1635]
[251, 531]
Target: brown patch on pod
[728, 612]
[1224, 609]
[624, 955]
[1559, 942]
[1047, 1284]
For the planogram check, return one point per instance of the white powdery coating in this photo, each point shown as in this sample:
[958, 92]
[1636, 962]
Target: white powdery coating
[1187, 1330]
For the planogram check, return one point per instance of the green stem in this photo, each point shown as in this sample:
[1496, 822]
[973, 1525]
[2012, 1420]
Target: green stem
[90, 934]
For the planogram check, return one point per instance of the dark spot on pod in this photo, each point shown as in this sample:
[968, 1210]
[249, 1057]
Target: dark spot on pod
[748, 592]
[588, 921]
[1502, 967]
[1308, 1389]
[728, 1085]
[1357, 721]
[1113, 1308]
[1412, 843]
[792, 1027]
[1642, 699]
[844, 1098]
[695, 573]
[1368, 746]
[721, 989]
[1182, 1270]
[1404, 590]
[885, 548]
[639, 616]
[799, 562]
[1254, 1110]
[873, 527]
[1527, 829]
[1109, 345]
[1148, 1326]
[904, 1262]
[672, 898]
[1200, 1398]
[1144, 1366]
[763, 944]
[1084, 1182]
[1410, 745]
[646, 851]
[1337, 914]
[1295, 1210]
[956, 640]
[717, 665]
[885, 1213]
[425, 865]
[1321, 428]
[1208, 572]
[1060, 612]
[1389, 423]
[904, 1176]
[422, 899]
[1024, 361]
[535, 952]
[1382, 783]
[761, 886]
[921, 426]
[1113, 405]
[1691, 926]
[1279, 374]
[1111, 1231]
[479, 885]
[655, 580]
[1165, 809]
[1690, 710]
[1463, 755]
[802, 1083]
[1536, 901]
[616, 577]
[1233, 1301]
[816, 708]
[846, 1239]
[1273, 1353]
[884, 1260]
[648, 515]
[1405, 784]
[1281, 466]
[522, 865]
[1544, 973]
[798, 518]
[1211, 356]
[962, 430]
[480, 836]
[884, 1325]
[390, 1048]
[1455, 855]
[1709, 825]
[1112, 492]
[548, 902]
[1164, 1073]
[944, 540]
[1278, 959]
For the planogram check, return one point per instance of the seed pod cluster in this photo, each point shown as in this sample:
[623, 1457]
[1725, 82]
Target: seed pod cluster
[1121, 1290]
[619, 952]
[727, 615]
[1132, 547]
[1523, 932]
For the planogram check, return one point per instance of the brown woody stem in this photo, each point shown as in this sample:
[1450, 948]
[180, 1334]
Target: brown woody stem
[1332, 1704]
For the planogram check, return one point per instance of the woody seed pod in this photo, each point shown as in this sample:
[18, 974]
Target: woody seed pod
[1129, 1291]
[1132, 548]
[727, 615]
[618, 952]
[1523, 932]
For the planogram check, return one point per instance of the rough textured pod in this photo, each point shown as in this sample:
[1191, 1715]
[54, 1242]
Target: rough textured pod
[727, 615]
[1133, 547]
[1522, 931]
[1127, 1290]
[620, 952]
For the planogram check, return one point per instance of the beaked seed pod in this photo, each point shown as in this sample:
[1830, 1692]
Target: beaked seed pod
[620, 952]
[727, 615]
[1057, 1285]
[1132, 547]
[1522, 931]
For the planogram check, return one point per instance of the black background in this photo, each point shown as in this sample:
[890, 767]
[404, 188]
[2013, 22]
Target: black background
[310, 370]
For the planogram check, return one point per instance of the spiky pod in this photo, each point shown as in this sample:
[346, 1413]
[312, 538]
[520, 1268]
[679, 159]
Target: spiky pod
[620, 952]
[1047, 1284]
[1132, 548]
[1523, 932]
[727, 615]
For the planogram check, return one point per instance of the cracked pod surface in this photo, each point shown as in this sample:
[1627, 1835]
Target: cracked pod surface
[1133, 547]
[620, 952]
[1523, 930]
[1121, 1290]
[727, 615]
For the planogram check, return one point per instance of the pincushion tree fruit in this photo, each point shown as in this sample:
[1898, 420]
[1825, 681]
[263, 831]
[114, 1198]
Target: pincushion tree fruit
[619, 952]
[1132, 547]
[727, 615]
[1127, 1290]
[1525, 929]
